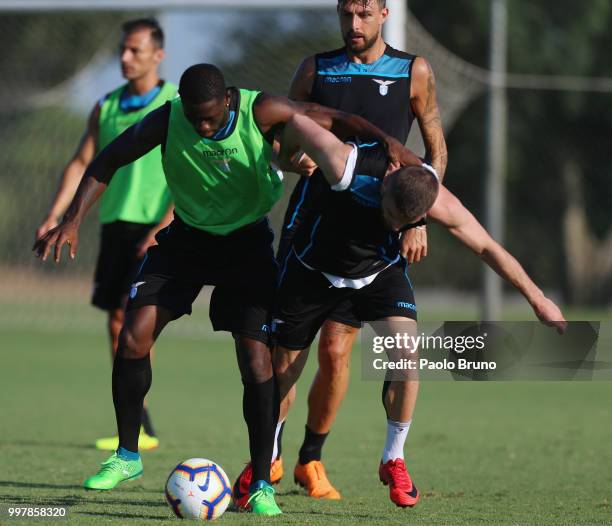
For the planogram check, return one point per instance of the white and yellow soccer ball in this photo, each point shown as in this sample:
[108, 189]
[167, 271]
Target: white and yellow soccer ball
[198, 489]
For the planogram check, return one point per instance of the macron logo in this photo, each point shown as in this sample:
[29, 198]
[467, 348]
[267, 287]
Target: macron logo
[220, 153]
[406, 305]
[338, 80]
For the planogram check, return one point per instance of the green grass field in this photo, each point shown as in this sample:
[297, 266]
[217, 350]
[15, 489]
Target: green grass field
[481, 453]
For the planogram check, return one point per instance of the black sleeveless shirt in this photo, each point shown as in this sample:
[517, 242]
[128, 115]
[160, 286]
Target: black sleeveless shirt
[345, 234]
[379, 92]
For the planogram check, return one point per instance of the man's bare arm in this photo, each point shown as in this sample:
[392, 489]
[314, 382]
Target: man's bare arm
[303, 80]
[272, 113]
[72, 174]
[132, 144]
[448, 211]
[425, 108]
[322, 146]
[413, 243]
[149, 240]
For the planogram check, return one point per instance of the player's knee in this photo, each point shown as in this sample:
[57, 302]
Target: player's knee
[334, 357]
[259, 367]
[281, 364]
[287, 374]
[133, 345]
[255, 361]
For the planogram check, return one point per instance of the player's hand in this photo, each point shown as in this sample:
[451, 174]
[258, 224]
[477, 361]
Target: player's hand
[413, 244]
[549, 314]
[66, 233]
[399, 155]
[392, 167]
[143, 246]
[305, 166]
[49, 223]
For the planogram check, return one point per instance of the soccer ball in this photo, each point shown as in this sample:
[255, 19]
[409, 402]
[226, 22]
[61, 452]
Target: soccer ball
[198, 489]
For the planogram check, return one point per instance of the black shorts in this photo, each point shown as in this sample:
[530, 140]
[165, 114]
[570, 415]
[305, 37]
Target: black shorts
[117, 262]
[306, 298]
[240, 265]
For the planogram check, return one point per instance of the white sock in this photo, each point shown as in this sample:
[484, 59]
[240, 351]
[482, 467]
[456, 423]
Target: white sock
[275, 450]
[396, 436]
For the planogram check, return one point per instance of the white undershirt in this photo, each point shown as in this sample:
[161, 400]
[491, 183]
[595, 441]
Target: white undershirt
[347, 283]
[349, 169]
[347, 177]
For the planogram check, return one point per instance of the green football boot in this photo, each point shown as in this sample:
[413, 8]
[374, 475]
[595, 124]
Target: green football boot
[262, 499]
[114, 471]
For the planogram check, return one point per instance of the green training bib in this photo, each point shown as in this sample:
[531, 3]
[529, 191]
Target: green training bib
[220, 185]
[138, 192]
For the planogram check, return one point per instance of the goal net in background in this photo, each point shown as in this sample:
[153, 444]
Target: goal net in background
[55, 65]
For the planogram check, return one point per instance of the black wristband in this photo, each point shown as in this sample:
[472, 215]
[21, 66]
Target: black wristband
[420, 222]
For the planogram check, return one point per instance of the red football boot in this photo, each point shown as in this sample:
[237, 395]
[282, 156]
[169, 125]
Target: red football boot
[401, 489]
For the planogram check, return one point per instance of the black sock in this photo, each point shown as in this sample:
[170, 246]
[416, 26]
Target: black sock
[312, 446]
[261, 405]
[146, 423]
[279, 442]
[131, 382]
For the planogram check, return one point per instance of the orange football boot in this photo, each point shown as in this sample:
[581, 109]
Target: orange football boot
[313, 478]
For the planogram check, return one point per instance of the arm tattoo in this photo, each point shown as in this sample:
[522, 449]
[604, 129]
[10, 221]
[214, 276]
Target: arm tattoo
[431, 128]
[430, 103]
